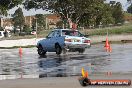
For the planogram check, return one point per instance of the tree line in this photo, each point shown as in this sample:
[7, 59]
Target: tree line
[84, 13]
[38, 22]
[129, 9]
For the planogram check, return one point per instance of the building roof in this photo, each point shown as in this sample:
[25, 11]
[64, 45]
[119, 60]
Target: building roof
[53, 16]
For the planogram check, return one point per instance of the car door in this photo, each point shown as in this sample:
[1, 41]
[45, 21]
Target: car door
[59, 39]
[49, 41]
[54, 39]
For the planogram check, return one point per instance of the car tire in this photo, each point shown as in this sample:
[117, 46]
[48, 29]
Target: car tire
[81, 50]
[58, 49]
[41, 51]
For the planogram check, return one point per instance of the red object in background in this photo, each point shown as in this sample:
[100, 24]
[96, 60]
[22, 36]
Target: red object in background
[33, 33]
[74, 26]
[107, 46]
[107, 43]
[87, 41]
[109, 73]
[86, 74]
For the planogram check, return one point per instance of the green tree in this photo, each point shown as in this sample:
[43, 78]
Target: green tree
[82, 12]
[79, 10]
[5, 5]
[117, 13]
[18, 19]
[100, 15]
[26, 29]
[59, 24]
[75, 10]
[38, 21]
[34, 24]
[129, 1]
[105, 17]
[129, 9]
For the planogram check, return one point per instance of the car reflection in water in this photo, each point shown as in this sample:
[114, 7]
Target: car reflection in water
[52, 67]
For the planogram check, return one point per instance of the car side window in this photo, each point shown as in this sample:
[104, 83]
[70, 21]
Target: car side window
[51, 34]
[57, 33]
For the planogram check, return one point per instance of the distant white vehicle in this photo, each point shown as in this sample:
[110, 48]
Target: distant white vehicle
[2, 34]
[33, 32]
[9, 28]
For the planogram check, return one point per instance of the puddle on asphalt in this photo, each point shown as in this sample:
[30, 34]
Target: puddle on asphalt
[95, 60]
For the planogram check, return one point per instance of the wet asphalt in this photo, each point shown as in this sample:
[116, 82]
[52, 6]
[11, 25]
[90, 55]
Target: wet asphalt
[95, 60]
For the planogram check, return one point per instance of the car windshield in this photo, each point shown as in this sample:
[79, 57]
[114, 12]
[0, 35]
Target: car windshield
[72, 33]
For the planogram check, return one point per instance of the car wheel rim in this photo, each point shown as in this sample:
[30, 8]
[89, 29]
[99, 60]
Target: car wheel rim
[40, 50]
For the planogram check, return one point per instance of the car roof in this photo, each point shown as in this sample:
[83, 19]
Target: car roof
[64, 29]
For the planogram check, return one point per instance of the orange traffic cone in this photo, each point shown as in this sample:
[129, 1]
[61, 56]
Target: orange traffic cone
[84, 74]
[107, 45]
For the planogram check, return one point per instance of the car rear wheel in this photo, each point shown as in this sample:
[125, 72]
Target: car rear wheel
[41, 51]
[58, 49]
[81, 50]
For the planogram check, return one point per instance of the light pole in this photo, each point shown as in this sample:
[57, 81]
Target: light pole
[36, 28]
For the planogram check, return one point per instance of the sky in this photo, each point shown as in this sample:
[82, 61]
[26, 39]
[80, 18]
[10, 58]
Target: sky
[123, 2]
[28, 13]
[33, 12]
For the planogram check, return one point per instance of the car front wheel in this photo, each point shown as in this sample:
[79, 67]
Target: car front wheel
[58, 49]
[41, 51]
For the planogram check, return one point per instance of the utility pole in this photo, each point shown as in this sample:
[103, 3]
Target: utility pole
[36, 28]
